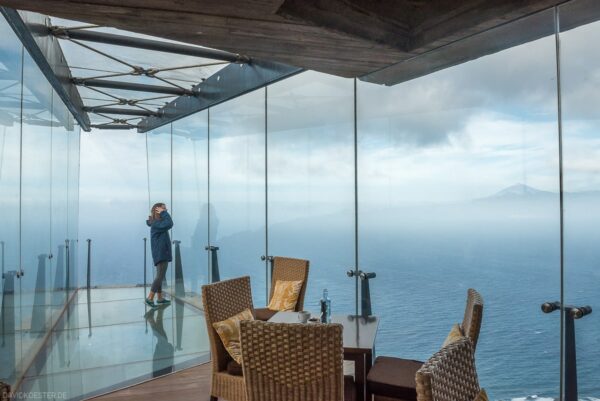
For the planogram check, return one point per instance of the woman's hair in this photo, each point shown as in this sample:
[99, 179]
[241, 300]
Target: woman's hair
[154, 215]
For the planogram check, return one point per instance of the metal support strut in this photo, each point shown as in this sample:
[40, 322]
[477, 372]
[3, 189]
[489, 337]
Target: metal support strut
[131, 86]
[570, 368]
[148, 44]
[89, 263]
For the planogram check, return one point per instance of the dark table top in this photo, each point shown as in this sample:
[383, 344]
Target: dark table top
[359, 332]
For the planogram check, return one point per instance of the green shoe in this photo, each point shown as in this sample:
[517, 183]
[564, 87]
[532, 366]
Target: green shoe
[150, 303]
[163, 302]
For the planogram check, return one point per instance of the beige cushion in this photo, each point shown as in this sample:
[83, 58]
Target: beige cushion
[482, 396]
[229, 332]
[454, 335]
[285, 295]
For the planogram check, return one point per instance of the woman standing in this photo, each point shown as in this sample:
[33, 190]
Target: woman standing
[160, 223]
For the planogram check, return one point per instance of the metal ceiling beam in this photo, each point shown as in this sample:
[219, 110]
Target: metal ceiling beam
[226, 84]
[32, 30]
[148, 44]
[131, 86]
[121, 111]
[113, 126]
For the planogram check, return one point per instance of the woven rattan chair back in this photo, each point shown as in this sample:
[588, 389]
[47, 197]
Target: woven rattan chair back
[290, 269]
[221, 301]
[449, 375]
[292, 362]
[471, 324]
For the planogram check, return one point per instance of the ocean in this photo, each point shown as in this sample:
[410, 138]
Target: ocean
[425, 256]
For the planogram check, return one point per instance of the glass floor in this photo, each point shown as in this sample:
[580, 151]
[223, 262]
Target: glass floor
[108, 339]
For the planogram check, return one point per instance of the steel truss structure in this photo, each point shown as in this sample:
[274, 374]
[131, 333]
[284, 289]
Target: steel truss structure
[166, 101]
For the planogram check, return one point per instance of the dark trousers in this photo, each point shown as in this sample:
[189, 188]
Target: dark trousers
[161, 271]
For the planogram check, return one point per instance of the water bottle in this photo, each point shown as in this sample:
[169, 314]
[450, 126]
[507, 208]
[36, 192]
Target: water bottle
[325, 307]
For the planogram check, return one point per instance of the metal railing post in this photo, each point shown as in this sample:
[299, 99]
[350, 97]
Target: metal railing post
[365, 290]
[7, 308]
[213, 273]
[570, 313]
[268, 258]
[2, 247]
[145, 264]
[178, 267]
[89, 263]
[365, 293]
[68, 266]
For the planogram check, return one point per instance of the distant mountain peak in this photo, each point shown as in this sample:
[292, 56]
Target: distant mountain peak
[519, 190]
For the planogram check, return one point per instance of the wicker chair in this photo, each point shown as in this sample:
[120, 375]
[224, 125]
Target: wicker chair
[449, 375]
[287, 269]
[292, 362]
[393, 379]
[471, 324]
[221, 301]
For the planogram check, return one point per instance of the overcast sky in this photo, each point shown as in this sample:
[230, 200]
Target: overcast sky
[461, 133]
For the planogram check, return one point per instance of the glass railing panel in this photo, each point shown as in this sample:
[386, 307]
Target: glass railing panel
[458, 188]
[237, 189]
[113, 207]
[160, 170]
[580, 81]
[311, 182]
[141, 344]
[10, 127]
[60, 274]
[73, 155]
[37, 281]
[190, 202]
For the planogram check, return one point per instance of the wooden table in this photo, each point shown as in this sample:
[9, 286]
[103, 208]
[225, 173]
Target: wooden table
[359, 342]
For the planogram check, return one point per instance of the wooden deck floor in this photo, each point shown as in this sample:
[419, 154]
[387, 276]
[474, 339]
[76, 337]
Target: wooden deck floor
[192, 384]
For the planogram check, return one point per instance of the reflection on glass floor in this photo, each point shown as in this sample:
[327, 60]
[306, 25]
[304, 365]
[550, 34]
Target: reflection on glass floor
[108, 339]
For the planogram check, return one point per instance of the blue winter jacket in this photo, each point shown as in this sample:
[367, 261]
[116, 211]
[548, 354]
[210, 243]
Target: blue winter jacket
[160, 242]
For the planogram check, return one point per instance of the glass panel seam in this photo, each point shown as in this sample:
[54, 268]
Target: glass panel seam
[208, 209]
[561, 194]
[355, 144]
[267, 278]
